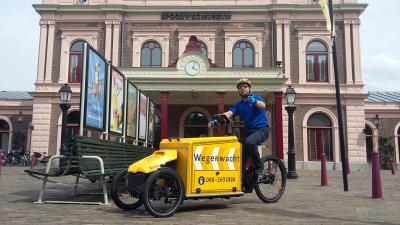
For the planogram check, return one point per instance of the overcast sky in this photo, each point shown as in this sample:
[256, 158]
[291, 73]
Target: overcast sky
[380, 49]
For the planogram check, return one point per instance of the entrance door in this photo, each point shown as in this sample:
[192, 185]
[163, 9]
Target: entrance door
[4, 135]
[319, 134]
[73, 125]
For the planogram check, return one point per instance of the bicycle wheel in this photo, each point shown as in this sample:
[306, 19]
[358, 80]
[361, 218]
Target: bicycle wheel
[271, 187]
[121, 195]
[163, 193]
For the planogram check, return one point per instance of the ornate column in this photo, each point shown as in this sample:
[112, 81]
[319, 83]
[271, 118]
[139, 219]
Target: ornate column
[279, 124]
[49, 52]
[356, 50]
[279, 49]
[221, 109]
[164, 114]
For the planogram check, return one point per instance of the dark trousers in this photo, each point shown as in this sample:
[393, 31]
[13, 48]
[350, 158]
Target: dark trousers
[250, 142]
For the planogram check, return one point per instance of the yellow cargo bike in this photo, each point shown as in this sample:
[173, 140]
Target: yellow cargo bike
[194, 168]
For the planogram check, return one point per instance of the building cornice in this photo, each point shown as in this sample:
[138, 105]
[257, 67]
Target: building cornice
[46, 8]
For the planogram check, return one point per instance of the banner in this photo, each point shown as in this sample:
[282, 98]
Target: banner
[150, 133]
[142, 116]
[131, 115]
[325, 10]
[117, 102]
[95, 91]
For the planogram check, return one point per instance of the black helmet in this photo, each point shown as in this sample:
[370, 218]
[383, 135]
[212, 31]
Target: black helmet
[243, 81]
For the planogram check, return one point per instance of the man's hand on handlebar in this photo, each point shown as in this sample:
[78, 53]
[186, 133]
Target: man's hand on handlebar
[212, 123]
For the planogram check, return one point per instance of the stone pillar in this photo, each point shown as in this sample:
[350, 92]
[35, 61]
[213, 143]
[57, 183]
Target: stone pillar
[42, 52]
[49, 52]
[279, 124]
[41, 121]
[287, 48]
[279, 47]
[356, 50]
[221, 109]
[107, 53]
[115, 43]
[347, 44]
[164, 114]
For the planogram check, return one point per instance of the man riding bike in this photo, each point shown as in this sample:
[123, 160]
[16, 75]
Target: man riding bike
[251, 109]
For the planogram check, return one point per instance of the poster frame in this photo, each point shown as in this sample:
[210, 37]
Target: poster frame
[136, 109]
[110, 102]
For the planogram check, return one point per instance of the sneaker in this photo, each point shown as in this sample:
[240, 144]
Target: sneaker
[260, 173]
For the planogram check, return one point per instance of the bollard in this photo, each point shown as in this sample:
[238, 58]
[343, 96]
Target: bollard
[33, 161]
[347, 166]
[376, 176]
[391, 166]
[324, 178]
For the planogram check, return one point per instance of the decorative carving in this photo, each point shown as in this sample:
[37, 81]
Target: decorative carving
[193, 45]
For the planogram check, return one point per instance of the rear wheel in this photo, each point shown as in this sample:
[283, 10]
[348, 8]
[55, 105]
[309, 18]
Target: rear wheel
[272, 185]
[163, 193]
[121, 195]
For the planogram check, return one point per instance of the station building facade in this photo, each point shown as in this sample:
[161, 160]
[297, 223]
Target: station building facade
[274, 43]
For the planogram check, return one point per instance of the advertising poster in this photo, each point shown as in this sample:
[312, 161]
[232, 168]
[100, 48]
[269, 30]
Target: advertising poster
[142, 116]
[95, 91]
[150, 136]
[131, 114]
[117, 102]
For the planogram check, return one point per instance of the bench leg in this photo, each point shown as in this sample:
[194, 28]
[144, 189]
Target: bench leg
[42, 190]
[103, 181]
[76, 185]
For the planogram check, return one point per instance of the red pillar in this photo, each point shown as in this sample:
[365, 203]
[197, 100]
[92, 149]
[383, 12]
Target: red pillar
[164, 114]
[279, 124]
[221, 109]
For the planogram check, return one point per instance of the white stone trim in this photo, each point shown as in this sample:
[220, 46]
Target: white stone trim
[49, 53]
[139, 37]
[68, 37]
[10, 132]
[252, 35]
[396, 142]
[374, 135]
[286, 32]
[305, 36]
[347, 50]
[186, 113]
[335, 133]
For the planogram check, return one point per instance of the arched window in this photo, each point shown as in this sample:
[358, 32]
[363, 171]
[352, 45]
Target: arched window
[319, 132]
[204, 49]
[150, 55]
[4, 134]
[369, 142]
[75, 62]
[196, 125]
[243, 54]
[317, 62]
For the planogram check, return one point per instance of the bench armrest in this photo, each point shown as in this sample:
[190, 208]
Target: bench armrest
[50, 162]
[98, 158]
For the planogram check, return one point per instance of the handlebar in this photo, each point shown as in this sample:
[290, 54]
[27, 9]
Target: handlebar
[223, 120]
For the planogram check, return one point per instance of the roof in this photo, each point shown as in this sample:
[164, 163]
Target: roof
[11, 95]
[383, 96]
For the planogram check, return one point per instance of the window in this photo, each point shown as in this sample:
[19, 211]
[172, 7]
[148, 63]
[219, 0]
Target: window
[369, 142]
[204, 49]
[317, 62]
[196, 125]
[150, 55]
[319, 138]
[75, 62]
[243, 54]
[4, 134]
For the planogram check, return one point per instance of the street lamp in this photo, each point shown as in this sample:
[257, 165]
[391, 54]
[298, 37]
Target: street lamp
[20, 117]
[376, 121]
[290, 96]
[65, 97]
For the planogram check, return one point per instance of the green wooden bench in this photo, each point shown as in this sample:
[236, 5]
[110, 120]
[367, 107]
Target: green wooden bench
[92, 159]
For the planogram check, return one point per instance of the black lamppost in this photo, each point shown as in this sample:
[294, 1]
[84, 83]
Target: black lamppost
[20, 117]
[290, 96]
[65, 97]
[376, 121]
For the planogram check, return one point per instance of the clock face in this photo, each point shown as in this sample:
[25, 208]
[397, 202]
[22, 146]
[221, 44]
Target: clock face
[192, 67]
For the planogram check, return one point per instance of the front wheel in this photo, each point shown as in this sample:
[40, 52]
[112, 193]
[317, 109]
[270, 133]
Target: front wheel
[163, 193]
[120, 194]
[272, 185]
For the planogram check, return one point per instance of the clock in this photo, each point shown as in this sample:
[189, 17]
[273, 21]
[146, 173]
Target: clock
[192, 67]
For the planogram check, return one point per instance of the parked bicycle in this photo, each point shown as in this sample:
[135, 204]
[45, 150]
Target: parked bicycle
[41, 158]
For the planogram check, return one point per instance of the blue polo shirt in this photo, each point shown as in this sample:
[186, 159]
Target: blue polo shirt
[252, 116]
